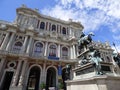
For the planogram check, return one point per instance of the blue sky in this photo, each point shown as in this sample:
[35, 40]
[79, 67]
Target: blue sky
[99, 16]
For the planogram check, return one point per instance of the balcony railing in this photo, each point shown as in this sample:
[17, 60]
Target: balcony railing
[33, 55]
[12, 53]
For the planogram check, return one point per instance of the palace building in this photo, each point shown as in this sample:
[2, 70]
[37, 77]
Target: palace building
[35, 48]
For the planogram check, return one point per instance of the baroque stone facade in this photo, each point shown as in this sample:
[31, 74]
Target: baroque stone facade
[36, 48]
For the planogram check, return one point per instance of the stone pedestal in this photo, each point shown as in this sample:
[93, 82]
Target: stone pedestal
[88, 70]
[103, 82]
[16, 88]
[86, 78]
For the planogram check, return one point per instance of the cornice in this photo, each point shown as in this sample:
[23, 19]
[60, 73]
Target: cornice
[34, 13]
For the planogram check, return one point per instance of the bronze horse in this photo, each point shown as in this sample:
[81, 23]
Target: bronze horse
[85, 40]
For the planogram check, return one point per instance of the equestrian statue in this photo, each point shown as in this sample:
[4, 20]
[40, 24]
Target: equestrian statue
[84, 40]
[94, 54]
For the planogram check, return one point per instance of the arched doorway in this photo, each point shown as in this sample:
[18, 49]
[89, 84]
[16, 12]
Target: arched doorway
[51, 78]
[64, 78]
[34, 78]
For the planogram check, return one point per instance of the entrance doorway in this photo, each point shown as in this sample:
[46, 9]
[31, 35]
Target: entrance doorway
[34, 78]
[7, 80]
[51, 78]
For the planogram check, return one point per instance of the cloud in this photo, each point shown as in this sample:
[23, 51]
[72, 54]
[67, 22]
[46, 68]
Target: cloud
[116, 37]
[91, 13]
[59, 12]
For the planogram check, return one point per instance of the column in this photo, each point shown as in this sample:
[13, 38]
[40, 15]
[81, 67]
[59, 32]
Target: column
[46, 46]
[22, 73]
[43, 77]
[59, 29]
[71, 52]
[2, 64]
[22, 20]
[10, 42]
[59, 50]
[24, 44]
[2, 68]
[29, 44]
[70, 32]
[4, 42]
[77, 53]
[16, 76]
[74, 54]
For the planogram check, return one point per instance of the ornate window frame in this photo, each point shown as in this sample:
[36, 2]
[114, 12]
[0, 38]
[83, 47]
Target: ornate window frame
[33, 51]
[42, 25]
[13, 49]
[64, 31]
[65, 57]
[54, 27]
[56, 49]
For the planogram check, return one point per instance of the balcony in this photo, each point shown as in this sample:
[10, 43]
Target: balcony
[11, 53]
[34, 56]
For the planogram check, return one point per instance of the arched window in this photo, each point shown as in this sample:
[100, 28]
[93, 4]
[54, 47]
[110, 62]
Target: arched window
[17, 46]
[42, 25]
[53, 28]
[64, 30]
[52, 50]
[64, 52]
[38, 49]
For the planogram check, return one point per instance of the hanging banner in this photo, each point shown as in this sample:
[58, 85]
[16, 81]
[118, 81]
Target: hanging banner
[59, 70]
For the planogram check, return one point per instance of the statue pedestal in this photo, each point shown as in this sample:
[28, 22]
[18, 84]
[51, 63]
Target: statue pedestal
[103, 82]
[85, 78]
[88, 70]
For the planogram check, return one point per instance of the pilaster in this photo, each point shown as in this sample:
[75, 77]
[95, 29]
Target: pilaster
[43, 77]
[46, 46]
[29, 45]
[24, 44]
[59, 50]
[71, 52]
[21, 82]
[4, 42]
[16, 76]
[10, 42]
[2, 66]
[74, 54]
